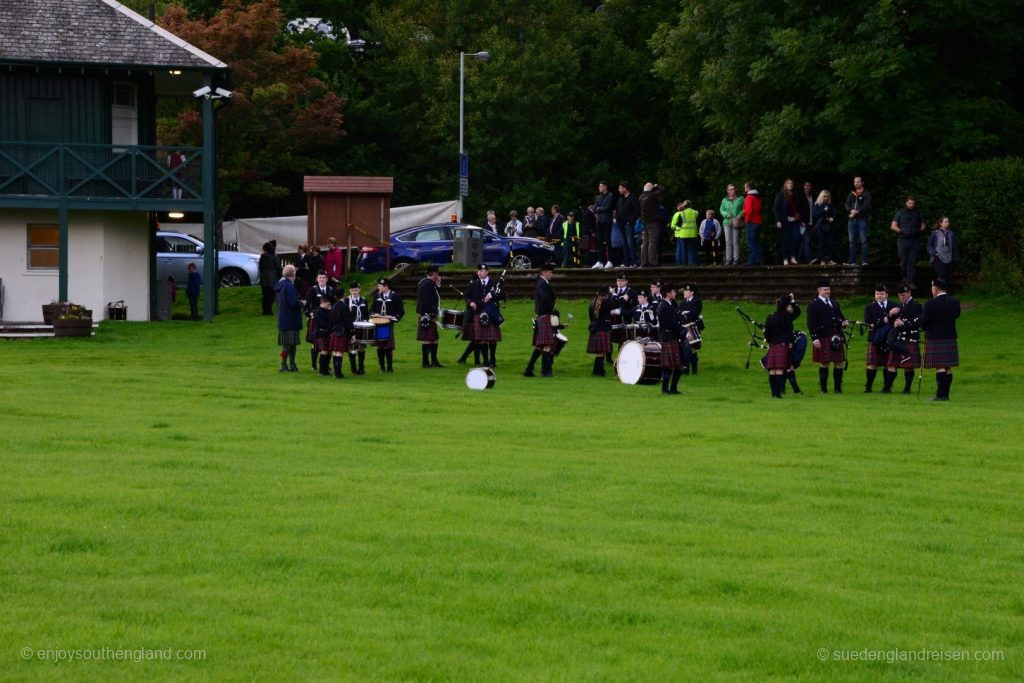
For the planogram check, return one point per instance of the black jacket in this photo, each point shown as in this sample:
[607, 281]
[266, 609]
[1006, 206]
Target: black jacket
[822, 320]
[341, 318]
[689, 311]
[357, 311]
[555, 229]
[627, 211]
[781, 208]
[910, 314]
[824, 215]
[394, 308]
[649, 206]
[645, 316]
[322, 322]
[778, 327]
[313, 296]
[543, 297]
[938, 317]
[668, 318]
[602, 321]
[625, 301]
[477, 290]
[604, 204]
[875, 316]
[428, 298]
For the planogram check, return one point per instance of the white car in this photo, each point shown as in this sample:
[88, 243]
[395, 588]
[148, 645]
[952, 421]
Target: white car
[175, 250]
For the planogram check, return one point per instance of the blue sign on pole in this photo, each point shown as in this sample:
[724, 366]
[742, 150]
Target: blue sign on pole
[464, 165]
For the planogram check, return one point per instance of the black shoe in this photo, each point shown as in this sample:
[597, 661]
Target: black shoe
[867, 390]
[938, 398]
[461, 360]
[284, 368]
[435, 364]
[528, 373]
[293, 368]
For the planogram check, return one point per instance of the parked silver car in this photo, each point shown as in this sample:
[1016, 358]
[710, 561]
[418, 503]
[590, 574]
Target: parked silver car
[175, 250]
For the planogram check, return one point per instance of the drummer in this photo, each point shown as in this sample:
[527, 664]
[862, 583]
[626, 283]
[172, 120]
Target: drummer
[341, 335]
[689, 314]
[358, 312]
[428, 307]
[623, 299]
[389, 305]
[600, 341]
[645, 316]
[656, 296]
[544, 341]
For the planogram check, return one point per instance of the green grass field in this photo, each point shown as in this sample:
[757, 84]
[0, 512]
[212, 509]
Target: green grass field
[163, 486]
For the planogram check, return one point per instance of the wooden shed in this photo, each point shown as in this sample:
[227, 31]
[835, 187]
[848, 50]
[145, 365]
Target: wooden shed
[355, 210]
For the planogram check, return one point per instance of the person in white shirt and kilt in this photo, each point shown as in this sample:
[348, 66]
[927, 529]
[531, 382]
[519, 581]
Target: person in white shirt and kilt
[938, 320]
[778, 333]
[388, 304]
[600, 341]
[825, 322]
[313, 296]
[428, 307]
[903, 341]
[544, 341]
[358, 311]
[879, 316]
[482, 297]
[671, 330]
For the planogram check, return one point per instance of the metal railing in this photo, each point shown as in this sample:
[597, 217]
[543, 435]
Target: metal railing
[100, 172]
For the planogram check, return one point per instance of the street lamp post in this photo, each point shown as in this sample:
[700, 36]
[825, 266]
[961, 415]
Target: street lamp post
[483, 57]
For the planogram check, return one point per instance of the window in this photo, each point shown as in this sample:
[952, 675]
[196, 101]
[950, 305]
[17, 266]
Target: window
[176, 245]
[124, 115]
[432, 235]
[43, 247]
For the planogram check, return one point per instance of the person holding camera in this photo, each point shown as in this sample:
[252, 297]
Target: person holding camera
[779, 335]
[825, 322]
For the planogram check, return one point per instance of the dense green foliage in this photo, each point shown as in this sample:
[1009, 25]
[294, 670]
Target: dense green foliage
[161, 485]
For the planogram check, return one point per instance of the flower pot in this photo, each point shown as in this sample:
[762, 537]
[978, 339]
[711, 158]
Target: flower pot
[50, 311]
[73, 327]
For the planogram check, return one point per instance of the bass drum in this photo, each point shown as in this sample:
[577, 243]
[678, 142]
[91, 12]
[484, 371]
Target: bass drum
[639, 363]
[480, 379]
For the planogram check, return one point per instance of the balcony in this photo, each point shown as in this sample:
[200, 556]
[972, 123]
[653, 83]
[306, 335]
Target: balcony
[118, 177]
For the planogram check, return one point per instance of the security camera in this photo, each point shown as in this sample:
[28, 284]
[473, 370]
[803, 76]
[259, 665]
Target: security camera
[202, 92]
[224, 93]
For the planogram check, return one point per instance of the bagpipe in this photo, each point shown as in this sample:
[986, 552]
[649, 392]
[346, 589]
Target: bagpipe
[797, 347]
[491, 315]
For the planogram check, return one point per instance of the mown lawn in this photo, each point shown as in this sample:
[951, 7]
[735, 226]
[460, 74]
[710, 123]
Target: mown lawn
[163, 486]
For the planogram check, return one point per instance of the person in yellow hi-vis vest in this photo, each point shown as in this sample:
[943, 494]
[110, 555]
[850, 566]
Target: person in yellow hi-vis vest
[684, 227]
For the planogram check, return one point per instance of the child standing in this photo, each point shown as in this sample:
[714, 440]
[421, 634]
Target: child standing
[192, 288]
[710, 233]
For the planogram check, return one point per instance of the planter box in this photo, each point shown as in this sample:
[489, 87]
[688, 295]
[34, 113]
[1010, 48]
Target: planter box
[50, 311]
[72, 328]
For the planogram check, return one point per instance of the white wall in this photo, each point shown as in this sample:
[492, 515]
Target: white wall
[107, 261]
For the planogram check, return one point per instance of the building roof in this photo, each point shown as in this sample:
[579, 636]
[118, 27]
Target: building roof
[348, 184]
[100, 32]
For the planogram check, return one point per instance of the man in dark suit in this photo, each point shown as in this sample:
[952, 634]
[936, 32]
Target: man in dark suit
[544, 342]
[938, 320]
[428, 307]
[825, 322]
[482, 298]
[671, 330]
[878, 315]
[555, 232]
[903, 341]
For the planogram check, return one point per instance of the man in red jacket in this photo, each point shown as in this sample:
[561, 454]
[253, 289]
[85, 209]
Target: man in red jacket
[752, 217]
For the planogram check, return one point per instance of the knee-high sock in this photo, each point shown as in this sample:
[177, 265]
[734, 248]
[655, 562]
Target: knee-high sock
[823, 379]
[908, 380]
[666, 376]
[313, 353]
[425, 352]
[533, 360]
[337, 367]
[352, 363]
[546, 363]
[598, 366]
[791, 375]
[676, 374]
[493, 348]
[837, 379]
[888, 377]
[389, 355]
[433, 355]
[380, 358]
[870, 372]
[291, 355]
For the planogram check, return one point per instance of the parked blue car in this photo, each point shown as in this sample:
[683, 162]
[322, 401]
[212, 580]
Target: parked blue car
[432, 244]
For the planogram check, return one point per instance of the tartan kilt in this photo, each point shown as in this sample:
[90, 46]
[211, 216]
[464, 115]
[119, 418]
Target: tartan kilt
[467, 327]
[914, 361]
[875, 357]
[825, 354]
[322, 344]
[288, 337]
[310, 331]
[600, 343]
[339, 342]
[491, 333]
[780, 357]
[941, 353]
[543, 333]
[427, 334]
[670, 356]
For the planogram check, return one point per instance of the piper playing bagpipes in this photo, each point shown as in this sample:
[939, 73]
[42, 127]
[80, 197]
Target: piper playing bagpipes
[428, 307]
[482, 298]
[544, 340]
[779, 335]
[903, 340]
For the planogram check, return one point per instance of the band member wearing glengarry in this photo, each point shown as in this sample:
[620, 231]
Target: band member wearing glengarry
[389, 305]
[483, 296]
[903, 341]
[358, 312]
[825, 322]
[656, 296]
[690, 309]
[322, 333]
[644, 315]
[467, 332]
[622, 298]
[544, 341]
[938, 320]
[428, 307]
[671, 330]
[600, 341]
[778, 333]
[878, 315]
[341, 335]
[313, 296]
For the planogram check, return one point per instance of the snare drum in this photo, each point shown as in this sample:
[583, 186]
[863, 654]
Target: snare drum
[560, 341]
[363, 332]
[633, 332]
[452, 319]
[692, 335]
[639, 363]
[380, 320]
[479, 379]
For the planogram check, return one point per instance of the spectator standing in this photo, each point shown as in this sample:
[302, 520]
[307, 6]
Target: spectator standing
[303, 276]
[192, 288]
[530, 222]
[651, 215]
[334, 262]
[858, 208]
[787, 222]
[627, 212]
[823, 217]
[731, 210]
[491, 223]
[554, 232]
[710, 234]
[942, 251]
[604, 207]
[806, 201]
[752, 220]
[570, 241]
[908, 226]
[684, 227]
[316, 264]
[542, 223]
[176, 161]
[514, 227]
[270, 273]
